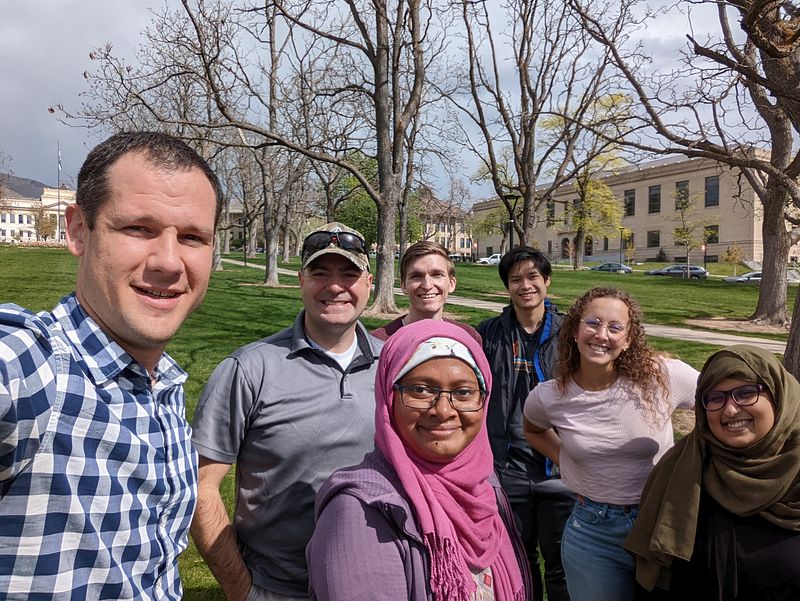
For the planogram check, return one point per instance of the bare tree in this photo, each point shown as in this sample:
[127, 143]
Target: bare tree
[735, 100]
[556, 72]
[5, 172]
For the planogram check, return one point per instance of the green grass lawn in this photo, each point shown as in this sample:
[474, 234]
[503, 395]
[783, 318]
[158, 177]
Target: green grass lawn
[238, 310]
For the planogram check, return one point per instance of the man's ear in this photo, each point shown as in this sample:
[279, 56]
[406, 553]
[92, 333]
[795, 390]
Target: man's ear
[76, 230]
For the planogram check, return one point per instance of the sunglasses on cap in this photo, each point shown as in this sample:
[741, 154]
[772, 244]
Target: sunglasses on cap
[317, 241]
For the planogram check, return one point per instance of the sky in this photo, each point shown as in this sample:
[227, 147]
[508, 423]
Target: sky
[44, 51]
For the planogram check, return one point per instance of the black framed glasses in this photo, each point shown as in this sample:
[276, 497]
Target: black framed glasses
[463, 400]
[345, 240]
[743, 396]
[594, 325]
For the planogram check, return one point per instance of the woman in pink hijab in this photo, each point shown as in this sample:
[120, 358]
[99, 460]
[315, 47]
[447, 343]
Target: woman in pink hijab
[423, 516]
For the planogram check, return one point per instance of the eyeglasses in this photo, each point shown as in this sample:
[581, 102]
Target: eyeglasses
[463, 400]
[594, 325]
[743, 396]
[345, 240]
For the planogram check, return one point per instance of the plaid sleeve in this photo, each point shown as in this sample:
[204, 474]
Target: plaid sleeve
[27, 385]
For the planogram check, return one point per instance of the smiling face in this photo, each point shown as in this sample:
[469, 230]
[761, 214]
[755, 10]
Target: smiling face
[527, 287]
[145, 265]
[335, 292]
[598, 345]
[440, 433]
[740, 427]
[427, 285]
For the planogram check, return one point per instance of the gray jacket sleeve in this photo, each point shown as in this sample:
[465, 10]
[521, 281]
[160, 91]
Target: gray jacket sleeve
[356, 554]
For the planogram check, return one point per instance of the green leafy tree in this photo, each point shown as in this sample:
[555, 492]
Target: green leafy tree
[733, 255]
[691, 231]
[44, 224]
[360, 212]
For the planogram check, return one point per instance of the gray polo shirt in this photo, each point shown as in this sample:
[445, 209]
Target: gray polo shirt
[288, 416]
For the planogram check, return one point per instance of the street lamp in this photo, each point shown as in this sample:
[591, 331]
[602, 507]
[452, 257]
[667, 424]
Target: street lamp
[510, 234]
[621, 232]
[705, 254]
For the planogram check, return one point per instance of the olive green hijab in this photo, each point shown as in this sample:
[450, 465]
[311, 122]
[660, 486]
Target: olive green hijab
[762, 479]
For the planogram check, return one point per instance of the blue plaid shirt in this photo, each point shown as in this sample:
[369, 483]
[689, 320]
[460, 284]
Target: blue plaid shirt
[98, 477]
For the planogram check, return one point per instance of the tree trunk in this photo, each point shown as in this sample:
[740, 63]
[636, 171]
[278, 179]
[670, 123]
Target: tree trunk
[287, 237]
[791, 359]
[270, 242]
[217, 257]
[580, 238]
[384, 272]
[776, 240]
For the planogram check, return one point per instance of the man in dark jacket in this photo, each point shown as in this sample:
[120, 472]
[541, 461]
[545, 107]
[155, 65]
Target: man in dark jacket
[522, 347]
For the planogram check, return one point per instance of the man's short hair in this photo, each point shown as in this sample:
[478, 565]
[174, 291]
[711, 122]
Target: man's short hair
[521, 254]
[160, 149]
[421, 249]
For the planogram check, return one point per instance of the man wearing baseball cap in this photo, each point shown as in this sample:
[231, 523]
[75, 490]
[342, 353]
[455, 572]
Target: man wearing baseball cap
[288, 410]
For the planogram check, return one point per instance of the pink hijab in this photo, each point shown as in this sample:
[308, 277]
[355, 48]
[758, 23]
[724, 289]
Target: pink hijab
[454, 504]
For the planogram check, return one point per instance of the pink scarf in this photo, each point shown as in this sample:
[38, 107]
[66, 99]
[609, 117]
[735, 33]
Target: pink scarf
[454, 504]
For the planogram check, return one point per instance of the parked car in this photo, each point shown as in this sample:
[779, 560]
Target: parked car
[695, 272]
[490, 260]
[457, 258]
[612, 267]
[751, 277]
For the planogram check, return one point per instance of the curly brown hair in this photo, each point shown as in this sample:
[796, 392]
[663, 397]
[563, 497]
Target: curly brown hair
[639, 362]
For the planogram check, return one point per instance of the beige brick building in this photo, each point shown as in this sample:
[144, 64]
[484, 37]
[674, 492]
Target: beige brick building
[722, 205]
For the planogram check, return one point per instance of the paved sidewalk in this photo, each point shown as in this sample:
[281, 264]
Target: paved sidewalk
[690, 335]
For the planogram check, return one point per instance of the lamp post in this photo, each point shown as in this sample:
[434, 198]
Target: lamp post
[510, 234]
[705, 254]
[621, 232]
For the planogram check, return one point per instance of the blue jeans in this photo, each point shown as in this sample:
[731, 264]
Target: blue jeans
[598, 568]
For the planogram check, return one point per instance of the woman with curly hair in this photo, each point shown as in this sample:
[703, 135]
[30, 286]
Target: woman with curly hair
[605, 421]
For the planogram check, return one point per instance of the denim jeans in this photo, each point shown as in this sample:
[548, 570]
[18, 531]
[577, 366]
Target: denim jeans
[598, 568]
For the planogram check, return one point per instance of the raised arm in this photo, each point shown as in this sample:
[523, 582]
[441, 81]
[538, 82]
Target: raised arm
[213, 533]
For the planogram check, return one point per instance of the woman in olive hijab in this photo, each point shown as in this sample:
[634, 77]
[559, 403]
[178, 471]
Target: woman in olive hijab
[720, 514]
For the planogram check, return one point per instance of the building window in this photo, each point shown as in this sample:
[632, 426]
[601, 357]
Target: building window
[654, 199]
[712, 234]
[2, 218]
[630, 203]
[712, 191]
[551, 212]
[2, 233]
[469, 242]
[605, 243]
[681, 195]
[550, 247]
[653, 238]
[629, 241]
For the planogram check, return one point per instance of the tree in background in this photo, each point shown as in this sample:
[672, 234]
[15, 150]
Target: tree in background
[596, 213]
[556, 72]
[690, 232]
[734, 99]
[44, 223]
[733, 255]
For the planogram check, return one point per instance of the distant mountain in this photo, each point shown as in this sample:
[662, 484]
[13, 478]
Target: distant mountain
[22, 186]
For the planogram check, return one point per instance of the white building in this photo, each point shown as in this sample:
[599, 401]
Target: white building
[18, 215]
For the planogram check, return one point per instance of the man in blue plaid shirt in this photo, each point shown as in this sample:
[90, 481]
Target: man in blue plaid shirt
[97, 472]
